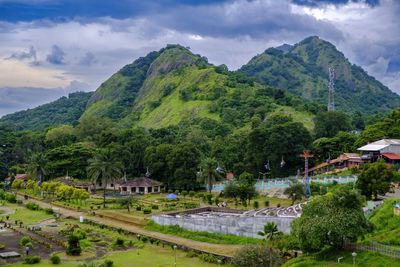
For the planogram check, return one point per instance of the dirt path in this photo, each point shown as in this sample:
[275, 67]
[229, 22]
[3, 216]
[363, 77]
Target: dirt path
[220, 249]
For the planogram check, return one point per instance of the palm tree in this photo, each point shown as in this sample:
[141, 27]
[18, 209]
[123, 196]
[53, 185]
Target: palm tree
[269, 233]
[104, 167]
[209, 171]
[37, 161]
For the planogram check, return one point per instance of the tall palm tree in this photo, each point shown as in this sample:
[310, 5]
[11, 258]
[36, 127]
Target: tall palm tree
[36, 166]
[104, 167]
[209, 172]
[269, 233]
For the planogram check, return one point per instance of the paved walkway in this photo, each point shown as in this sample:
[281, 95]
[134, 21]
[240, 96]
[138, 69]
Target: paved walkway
[220, 249]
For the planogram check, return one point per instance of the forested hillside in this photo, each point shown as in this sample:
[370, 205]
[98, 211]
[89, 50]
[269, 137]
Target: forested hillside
[66, 110]
[173, 84]
[302, 69]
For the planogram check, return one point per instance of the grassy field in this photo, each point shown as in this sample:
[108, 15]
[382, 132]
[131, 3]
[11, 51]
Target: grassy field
[363, 259]
[149, 256]
[25, 215]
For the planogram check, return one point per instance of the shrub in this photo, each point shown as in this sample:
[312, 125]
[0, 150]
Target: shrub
[144, 239]
[55, 259]
[32, 259]
[170, 191]
[11, 198]
[184, 193]
[255, 256]
[190, 205]
[154, 207]
[138, 208]
[2, 246]
[49, 211]
[74, 247]
[176, 192]
[192, 194]
[24, 240]
[147, 211]
[32, 206]
[266, 203]
[200, 195]
[208, 258]
[279, 205]
[191, 254]
[256, 205]
[119, 242]
[108, 263]
[209, 199]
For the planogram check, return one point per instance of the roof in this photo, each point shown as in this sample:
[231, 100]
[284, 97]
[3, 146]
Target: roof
[21, 176]
[391, 156]
[319, 166]
[73, 182]
[380, 144]
[141, 182]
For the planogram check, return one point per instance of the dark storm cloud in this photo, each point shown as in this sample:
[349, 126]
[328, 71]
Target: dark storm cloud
[57, 56]
[314, 3]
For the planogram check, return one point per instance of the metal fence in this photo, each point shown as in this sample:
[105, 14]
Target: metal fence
[386, 250]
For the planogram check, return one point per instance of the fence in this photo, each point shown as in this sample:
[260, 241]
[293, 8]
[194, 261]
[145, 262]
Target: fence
[390, 251]
[285, 182]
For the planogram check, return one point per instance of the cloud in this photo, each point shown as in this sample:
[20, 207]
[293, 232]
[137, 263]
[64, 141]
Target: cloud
[31, 55]
[88, 59]
[57, 56]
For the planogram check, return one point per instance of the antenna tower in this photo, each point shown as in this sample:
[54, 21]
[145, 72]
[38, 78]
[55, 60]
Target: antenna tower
[331, 89]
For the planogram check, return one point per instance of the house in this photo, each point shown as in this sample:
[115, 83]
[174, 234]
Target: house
[21, 176]
[142, 185]
[81, 184]
[387, 149]
[347, 160]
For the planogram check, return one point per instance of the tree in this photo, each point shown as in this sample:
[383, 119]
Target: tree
[208, 172]
[37, 162]
[60, 135]
[295, 191]
[329, 220]
[74, 247]
[269, 233]
[255, 256]
[243, 189]
[104, 167]
[374, 179]
[328, 124]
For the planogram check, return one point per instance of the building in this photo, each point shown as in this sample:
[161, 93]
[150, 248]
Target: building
[81, 184]
[387, 149]
[142, 185]
[347, 160]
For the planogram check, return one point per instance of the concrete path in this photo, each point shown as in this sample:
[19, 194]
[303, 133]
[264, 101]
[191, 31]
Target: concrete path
[219, 249]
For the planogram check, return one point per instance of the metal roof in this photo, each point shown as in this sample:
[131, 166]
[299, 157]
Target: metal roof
[391, 156]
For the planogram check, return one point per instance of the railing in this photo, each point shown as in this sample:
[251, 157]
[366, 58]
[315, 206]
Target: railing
[386, 250]
[285, 182]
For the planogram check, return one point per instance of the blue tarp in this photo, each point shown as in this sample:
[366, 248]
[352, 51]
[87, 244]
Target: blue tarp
[171, 196]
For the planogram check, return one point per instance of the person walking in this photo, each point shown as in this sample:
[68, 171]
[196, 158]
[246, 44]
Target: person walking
[27, 250]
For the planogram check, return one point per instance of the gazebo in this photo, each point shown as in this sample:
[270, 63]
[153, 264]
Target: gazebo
[142, 185]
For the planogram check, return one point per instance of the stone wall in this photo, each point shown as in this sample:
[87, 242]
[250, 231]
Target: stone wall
[237, 225]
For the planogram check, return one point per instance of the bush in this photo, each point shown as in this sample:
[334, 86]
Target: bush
[255, 256]
[119, 242]
[11, 198]
[55, 259]
[208, 258]
[256, 205]
[266, 203]
[24, 240]
[32, 259]
[191, 254]
[2, 246]
[32, 206]
[74, 247]
[138, 208]
[192, 194]
[154, 207]
[49, 211]
[147, 211]
[108, 263]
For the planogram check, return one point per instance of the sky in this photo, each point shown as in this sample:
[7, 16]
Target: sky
[49, 48]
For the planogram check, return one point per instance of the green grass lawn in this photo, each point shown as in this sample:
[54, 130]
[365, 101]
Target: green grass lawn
[363, 259]
[149, 256]
[25, 215]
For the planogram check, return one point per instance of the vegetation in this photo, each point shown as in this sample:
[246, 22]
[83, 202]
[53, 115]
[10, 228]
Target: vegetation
[256, 256]
[66, 110]
[200, 236]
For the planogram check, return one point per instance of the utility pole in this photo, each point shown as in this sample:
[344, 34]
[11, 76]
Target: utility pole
[306, 180]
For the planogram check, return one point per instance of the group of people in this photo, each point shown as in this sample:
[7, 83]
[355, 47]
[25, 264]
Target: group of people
[221, 205]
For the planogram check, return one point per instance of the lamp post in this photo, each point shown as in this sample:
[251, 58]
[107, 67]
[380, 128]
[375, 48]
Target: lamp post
[219, 263]
[175, 255]
[354, 258]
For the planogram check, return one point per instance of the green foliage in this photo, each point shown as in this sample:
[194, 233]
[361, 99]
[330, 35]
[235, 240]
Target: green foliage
[295, 191]
[328, 124]
[330, 219]
[255, 256]
[66, 110]
[200, 236]
[55, 259]
[374, 179]
[74, 248]
[303, 70]
[342, 142]
[32, 259]
[32, 206]
[24, 241]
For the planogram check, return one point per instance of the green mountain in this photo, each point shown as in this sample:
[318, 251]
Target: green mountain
[302, 69]
[65, 110]
[173, 84]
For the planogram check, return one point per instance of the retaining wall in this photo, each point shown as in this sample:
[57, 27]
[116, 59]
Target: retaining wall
[236, 225]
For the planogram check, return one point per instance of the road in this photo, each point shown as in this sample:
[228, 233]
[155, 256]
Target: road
[219, 249]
